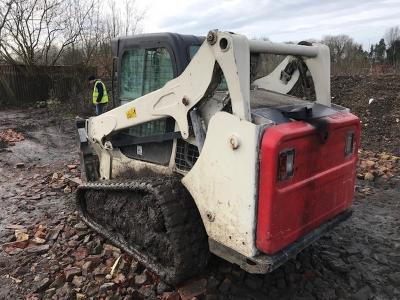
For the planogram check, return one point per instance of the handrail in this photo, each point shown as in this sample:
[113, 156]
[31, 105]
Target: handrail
[281, 48]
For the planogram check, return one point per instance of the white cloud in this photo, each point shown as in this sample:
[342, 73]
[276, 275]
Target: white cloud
[364, 20]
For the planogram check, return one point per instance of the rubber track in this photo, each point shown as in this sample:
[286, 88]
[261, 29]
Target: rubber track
[183, 225]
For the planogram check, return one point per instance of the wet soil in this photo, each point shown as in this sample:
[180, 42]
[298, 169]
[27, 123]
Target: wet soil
[48, 145]
[376, 100]
[25, 198]
[360, 259]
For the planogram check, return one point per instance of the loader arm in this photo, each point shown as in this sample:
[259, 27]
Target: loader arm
[178, 96]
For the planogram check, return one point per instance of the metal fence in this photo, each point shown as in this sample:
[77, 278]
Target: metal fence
[21, 85]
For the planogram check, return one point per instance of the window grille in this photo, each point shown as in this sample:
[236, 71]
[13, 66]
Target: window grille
[186, 155]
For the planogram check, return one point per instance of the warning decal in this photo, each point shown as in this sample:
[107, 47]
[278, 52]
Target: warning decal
[131, 113]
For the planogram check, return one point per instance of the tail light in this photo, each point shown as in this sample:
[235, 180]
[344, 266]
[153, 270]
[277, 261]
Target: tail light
[349, 146]
[286, 164]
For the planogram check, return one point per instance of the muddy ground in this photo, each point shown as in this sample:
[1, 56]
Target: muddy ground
[58, 257]
[376, 100]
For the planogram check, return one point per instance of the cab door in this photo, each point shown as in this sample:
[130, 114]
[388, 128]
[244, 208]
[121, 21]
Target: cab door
[143, 70]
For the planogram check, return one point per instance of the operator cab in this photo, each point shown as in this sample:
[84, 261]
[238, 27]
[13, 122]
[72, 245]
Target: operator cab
[145, 63]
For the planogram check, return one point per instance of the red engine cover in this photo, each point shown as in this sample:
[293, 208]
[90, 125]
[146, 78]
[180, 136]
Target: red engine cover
[322, 185]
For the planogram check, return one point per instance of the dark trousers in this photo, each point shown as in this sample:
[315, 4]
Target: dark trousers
[100, 108]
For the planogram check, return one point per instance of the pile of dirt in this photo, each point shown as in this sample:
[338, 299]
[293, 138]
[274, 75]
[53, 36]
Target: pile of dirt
[378, 167]
[376, 101]
[10, 137]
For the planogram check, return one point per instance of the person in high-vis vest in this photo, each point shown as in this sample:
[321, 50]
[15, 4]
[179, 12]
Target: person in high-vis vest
[99, 97]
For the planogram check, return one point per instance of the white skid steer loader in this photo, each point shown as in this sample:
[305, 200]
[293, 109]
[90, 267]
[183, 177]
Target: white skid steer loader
[204, 156]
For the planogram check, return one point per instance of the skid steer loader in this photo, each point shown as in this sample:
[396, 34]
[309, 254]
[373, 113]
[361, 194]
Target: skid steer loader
[203, 155]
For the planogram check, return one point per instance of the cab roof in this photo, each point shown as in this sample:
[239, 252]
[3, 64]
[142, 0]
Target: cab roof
[175, 40]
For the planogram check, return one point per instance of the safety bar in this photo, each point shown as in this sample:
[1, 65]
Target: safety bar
[281, 48]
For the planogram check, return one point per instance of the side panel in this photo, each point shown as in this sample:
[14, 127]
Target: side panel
[125, 167]
[321, 187]
[223, 182]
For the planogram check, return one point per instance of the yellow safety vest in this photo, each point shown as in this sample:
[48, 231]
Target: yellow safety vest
[96, 93]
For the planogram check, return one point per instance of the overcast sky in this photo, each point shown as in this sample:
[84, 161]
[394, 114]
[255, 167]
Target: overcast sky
[280, 20]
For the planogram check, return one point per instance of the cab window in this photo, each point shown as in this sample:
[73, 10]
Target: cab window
[144, 71]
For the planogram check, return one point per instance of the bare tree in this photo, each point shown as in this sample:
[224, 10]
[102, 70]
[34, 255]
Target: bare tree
[347, 57]
[338, 45]
[92, 35]
[38, 31]
[392, 35]
[133, 17]
[113, 20]
[5, 8]
[69, 31]
[128, 13]
[125, 22]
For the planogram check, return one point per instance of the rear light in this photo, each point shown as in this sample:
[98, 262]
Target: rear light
[286, 164]
[349, 146]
